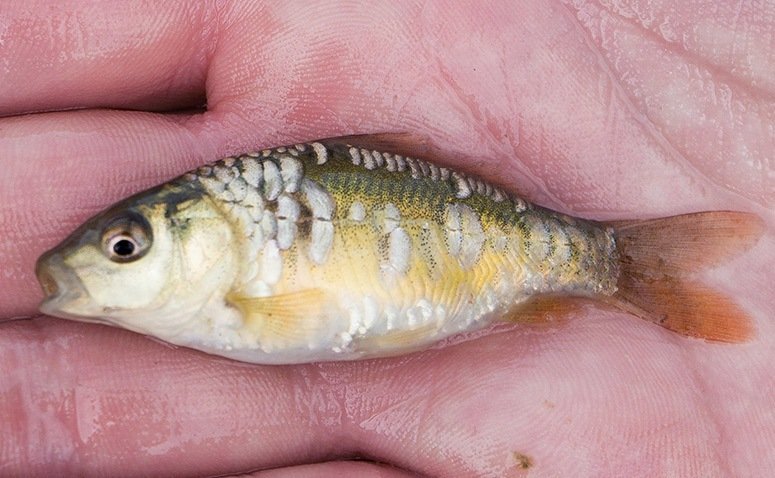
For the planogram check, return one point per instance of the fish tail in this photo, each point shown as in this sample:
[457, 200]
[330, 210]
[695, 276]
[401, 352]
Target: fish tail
[658, 255]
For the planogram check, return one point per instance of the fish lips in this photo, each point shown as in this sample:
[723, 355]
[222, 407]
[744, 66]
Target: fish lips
[60, 284]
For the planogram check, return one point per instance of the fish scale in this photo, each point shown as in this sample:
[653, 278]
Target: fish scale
[454, 269]
[338, 250]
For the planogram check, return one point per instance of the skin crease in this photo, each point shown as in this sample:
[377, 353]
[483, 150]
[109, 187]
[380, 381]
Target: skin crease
[643, 109]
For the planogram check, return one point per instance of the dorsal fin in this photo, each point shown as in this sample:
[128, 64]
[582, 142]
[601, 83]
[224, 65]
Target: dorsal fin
[405, 144]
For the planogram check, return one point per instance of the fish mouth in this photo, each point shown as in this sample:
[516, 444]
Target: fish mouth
[60, 284]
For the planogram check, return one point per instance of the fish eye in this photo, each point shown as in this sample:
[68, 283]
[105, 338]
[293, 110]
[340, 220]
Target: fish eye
[126, 239]
[123, 246]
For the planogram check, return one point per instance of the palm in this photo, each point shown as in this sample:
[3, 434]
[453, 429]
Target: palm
[595, 113]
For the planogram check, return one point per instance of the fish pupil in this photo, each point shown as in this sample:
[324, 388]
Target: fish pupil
[124, 248]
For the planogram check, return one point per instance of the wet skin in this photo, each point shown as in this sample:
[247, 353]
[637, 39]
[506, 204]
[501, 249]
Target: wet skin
[598, 113]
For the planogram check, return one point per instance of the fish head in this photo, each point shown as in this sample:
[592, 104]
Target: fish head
[148, 263]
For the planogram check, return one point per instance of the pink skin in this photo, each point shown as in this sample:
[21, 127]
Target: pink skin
[604, 112]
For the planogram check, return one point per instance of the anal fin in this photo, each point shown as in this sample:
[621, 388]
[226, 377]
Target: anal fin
[547, 309]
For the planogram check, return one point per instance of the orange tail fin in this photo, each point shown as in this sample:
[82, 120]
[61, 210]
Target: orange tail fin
[658, 254]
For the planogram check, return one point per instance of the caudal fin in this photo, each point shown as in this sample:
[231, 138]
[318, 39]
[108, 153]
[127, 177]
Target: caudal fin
[657, 256]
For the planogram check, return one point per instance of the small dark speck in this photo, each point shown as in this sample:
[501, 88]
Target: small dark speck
[523, 461]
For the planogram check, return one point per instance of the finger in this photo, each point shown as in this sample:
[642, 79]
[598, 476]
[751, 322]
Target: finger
[193, 416]
[76, 54]
[187, 413]
[334, 469]
[106, 400]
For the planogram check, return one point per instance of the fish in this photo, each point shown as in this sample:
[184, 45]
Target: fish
[354, 247]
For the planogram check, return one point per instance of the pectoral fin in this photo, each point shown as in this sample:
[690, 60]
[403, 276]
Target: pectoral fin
[289, 317]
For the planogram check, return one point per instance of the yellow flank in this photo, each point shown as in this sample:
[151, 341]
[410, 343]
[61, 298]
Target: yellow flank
[389, 254]
[338, 250]
[330, 250]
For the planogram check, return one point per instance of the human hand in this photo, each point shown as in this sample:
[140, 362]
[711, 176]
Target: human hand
[599, 113]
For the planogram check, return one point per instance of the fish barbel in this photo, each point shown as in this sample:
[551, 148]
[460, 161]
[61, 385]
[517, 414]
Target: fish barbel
[334, 250]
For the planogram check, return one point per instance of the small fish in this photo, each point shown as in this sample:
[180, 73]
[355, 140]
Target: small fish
[337, 250]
